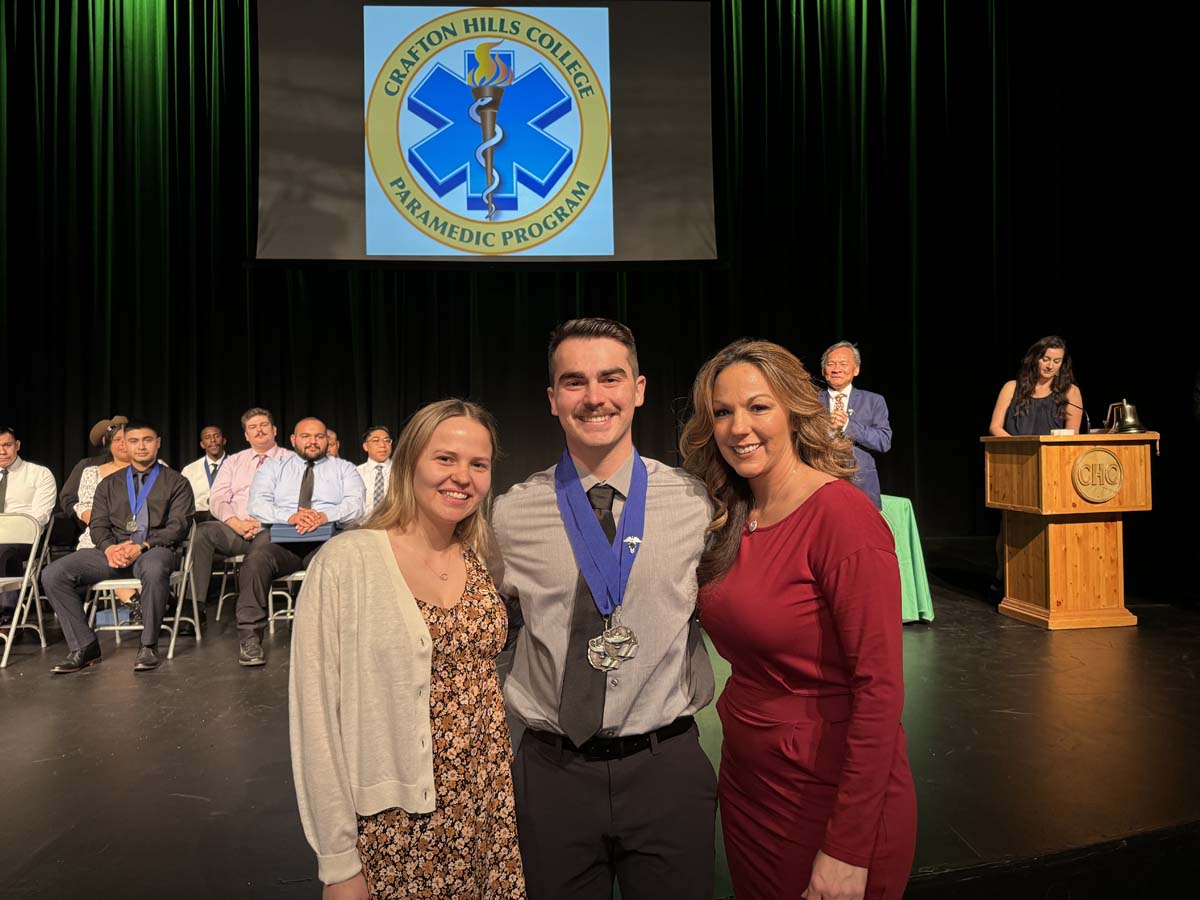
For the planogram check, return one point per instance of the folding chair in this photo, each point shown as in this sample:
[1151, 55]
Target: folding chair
[286, 584]
[229, 568]
[106, 592]
[183, 582]
[19, 528]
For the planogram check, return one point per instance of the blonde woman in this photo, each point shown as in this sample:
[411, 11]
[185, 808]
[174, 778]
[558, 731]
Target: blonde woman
[800, 591]
[400, 748]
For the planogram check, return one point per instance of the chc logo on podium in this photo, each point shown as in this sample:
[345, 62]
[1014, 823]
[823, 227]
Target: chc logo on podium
[1097, 475]
[487, 131]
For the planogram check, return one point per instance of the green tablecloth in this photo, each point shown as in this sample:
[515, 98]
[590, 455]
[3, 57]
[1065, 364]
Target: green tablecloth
[916, 604]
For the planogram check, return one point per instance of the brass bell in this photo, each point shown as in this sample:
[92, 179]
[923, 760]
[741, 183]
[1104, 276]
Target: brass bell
[1122, 418]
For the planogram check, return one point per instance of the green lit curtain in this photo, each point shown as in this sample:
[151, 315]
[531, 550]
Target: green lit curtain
[941, 183]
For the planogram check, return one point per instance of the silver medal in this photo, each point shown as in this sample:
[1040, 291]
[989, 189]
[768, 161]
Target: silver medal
[131, 525]
[616, 644]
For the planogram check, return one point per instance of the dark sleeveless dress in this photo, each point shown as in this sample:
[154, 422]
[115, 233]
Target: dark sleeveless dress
[1040, 418]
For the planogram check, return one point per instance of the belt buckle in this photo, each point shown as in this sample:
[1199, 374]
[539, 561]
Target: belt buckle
[604, 749]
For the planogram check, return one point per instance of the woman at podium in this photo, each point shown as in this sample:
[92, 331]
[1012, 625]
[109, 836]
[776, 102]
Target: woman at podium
[1043, 397]
[801, 593]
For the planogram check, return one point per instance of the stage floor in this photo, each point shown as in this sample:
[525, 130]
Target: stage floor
[1039, 757]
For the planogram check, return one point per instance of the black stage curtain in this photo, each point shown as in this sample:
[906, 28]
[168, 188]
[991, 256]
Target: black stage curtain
[941, 183]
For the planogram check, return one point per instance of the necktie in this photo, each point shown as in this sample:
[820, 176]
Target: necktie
[3, 487]
[306, 486]
[259, 460]
[377, 497]
[143, 515]
[840, 402]
[581, 708]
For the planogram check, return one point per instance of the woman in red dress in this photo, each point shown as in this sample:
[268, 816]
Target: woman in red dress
[801, 593]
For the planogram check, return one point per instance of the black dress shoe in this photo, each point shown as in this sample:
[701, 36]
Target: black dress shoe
[250, 653]
[147, 659]
[79, 659]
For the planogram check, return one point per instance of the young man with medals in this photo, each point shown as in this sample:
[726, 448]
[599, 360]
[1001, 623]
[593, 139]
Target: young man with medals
[140, 518]
[600, 553]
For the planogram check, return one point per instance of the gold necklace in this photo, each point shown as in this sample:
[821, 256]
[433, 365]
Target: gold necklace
[444, 576]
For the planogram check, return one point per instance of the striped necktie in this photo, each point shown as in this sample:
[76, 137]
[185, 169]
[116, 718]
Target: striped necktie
[377, 497]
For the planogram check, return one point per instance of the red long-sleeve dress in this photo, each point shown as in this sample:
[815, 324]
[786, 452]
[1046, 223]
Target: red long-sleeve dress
[814, 754]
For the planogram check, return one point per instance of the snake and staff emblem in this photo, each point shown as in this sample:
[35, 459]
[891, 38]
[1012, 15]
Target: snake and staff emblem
[488, 81]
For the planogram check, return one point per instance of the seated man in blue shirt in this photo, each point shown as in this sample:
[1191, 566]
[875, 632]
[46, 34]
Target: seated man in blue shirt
[306, 491]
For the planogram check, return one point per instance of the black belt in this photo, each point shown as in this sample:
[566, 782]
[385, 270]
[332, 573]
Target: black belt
[601, 748]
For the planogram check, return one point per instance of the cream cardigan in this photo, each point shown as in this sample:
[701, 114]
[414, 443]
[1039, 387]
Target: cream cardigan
[358, 697]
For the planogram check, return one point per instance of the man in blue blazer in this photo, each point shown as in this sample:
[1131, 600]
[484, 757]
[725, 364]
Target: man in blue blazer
[860, 415]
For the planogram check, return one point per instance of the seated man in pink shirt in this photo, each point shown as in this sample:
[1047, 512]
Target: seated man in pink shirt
[233, 529]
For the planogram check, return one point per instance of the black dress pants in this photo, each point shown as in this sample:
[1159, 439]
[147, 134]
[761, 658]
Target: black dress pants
[65, 579]
[263, 564]
[648, 820]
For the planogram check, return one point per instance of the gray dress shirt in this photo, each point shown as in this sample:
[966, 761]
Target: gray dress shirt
[671, 676]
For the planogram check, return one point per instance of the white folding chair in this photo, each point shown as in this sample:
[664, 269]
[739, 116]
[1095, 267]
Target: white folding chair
[283, 587]
[19, 528]
[106, 592]
[183, 582]
[230, 568]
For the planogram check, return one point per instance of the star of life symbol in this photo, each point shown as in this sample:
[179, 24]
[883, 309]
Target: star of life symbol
[475, 144]
[632, 543]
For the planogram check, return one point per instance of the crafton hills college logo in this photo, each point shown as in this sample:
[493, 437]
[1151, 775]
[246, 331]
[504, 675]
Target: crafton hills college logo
[488, 130]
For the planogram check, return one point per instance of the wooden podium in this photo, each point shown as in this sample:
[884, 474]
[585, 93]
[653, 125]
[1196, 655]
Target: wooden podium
[1063, 542]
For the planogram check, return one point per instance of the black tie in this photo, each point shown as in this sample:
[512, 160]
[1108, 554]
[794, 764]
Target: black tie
[3, 487]
[581, 708]
[306, 484]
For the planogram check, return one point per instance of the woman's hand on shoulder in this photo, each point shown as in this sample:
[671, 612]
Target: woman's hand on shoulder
[833, 879]
[352, 889]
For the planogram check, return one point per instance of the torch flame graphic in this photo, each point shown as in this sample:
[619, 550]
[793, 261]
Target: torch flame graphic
[488, 81]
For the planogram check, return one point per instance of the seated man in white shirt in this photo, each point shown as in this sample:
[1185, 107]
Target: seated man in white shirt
[27, 488]
[376, 472]
[307, 490]
[203, 472]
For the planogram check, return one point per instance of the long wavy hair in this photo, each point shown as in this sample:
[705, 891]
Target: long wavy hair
[1027, 376]
[813, 440]
[399, 506]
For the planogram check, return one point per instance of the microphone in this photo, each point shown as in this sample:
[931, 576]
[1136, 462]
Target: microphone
[1087, 426]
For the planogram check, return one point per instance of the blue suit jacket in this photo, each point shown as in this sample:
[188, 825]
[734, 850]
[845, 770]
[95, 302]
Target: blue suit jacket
[871, 432]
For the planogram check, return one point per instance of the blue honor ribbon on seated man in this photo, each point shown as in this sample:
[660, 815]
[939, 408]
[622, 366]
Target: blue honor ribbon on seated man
[138, 500]
[605, 566]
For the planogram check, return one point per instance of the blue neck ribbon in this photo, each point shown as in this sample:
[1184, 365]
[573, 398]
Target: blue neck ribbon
[605, 567]
[137, 501]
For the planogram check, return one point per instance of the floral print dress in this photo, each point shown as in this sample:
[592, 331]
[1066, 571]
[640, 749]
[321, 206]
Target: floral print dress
[467, 847]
